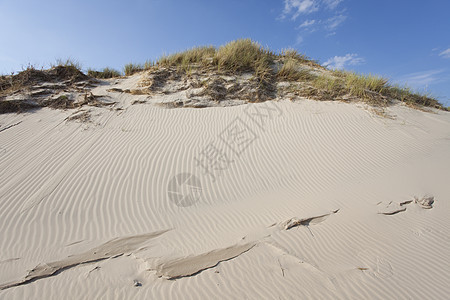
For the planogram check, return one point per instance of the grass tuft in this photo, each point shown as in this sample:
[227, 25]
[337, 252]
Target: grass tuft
[104, 74]
[243, 56]
[68, 63]
[292, 71]
[201, 56]
[133, 68]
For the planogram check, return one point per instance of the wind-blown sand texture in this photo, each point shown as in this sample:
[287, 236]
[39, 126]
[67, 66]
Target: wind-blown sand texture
[299, 200]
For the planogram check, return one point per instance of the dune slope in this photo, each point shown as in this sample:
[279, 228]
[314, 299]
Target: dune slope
[279, 199]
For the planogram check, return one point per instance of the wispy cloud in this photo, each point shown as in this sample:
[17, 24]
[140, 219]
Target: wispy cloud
[297, 7]
[307, 23]
[298, 40]
[332, 4]
[333, 22]
[327, 16]
[339, 62]
[422, 79]
[445, 53]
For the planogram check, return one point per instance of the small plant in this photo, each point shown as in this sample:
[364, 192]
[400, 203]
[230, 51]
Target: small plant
[287, 54]
[202, 56]
[359, 85]
[328, 87]
[244, 56]
[104, 74]
[292, 71]
[149, 64]
[406, 95]
[132, 68]
[68, 62]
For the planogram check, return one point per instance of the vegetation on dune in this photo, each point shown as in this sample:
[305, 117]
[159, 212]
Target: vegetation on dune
[69, 63]
[61, 70]
[200, 56]
[291, 71]
[305, 77]
[104, 74]
[244, 56]
[268, 67]
[133, 68]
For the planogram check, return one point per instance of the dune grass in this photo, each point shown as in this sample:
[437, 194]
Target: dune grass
[132, 68]
[200, 56]
[292, 71]
[268, 68]
[68, 63]
[413, 98]
[104, 74]
[243, 55]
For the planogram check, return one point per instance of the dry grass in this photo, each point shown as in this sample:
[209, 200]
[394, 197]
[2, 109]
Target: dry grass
[132, 68]
[412, 98]
[200, 56]
[326, 88]
[360, 85]
[292, 54]
[104, 74]
[244, 56]
[67, 63]
[293, 71]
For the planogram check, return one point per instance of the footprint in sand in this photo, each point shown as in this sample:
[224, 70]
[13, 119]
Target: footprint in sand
[375, 265]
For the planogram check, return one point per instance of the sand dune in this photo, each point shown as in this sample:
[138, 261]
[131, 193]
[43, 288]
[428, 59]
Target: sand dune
[271, 200]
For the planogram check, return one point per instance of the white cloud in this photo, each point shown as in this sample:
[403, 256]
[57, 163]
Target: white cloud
[298, 40]
[307, 23]
[332, 4]
[445, 53]
[339, 62]
[326, 15]
[421, 79]
[334, 22]
[297, 7]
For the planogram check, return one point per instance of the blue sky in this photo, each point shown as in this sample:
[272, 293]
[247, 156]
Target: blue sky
[406, 41]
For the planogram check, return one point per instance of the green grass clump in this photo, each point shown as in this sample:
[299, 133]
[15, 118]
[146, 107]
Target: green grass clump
[202, 56]
[132, 68]
[291, 70]
[68, 63]
[244, 56]
[293, 54]
[360, 85]
[412, 98]
[104, 74]
[327, 83]
[327, 88]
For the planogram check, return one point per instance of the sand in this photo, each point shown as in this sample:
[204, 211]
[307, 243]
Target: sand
[274, 200]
